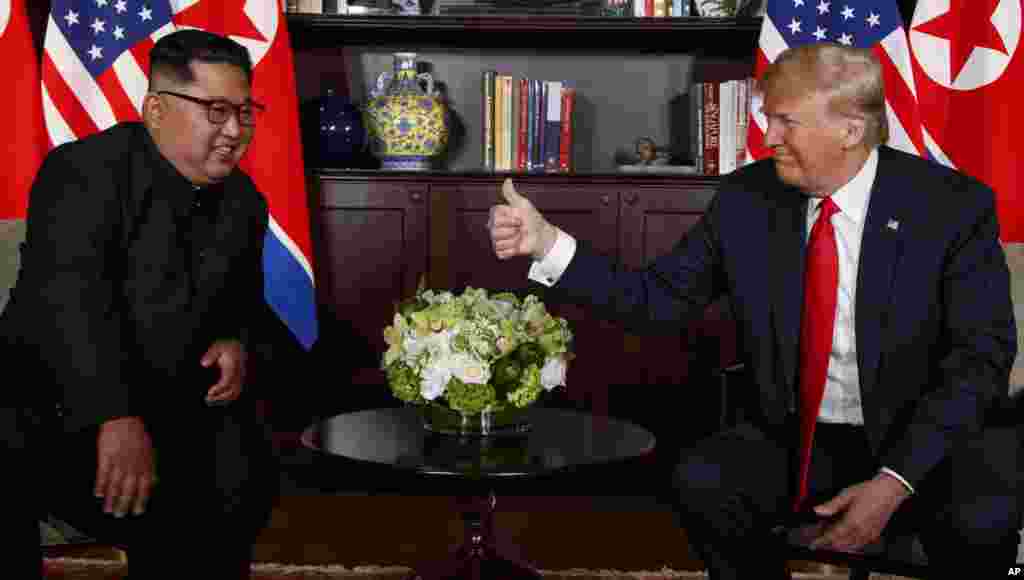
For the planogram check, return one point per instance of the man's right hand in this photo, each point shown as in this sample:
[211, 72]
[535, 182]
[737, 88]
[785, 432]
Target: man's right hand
[125, 471]
[518, 229]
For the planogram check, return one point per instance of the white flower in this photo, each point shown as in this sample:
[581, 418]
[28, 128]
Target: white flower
[435, 379]
[504, 309]
[468, 370]
[553, 373]
[437, 345]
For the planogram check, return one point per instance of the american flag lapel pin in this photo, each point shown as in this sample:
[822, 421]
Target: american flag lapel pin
[893, 225]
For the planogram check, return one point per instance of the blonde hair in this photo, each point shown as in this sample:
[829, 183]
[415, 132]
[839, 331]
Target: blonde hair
[850, 78]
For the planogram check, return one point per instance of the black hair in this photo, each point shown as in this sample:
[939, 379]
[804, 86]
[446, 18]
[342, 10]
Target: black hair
[173, 53]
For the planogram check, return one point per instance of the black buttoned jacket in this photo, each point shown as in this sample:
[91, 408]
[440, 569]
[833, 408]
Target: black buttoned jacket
[128, 274]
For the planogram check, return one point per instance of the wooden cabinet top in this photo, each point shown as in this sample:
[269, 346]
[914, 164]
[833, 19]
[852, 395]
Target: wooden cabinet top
[603, 180]
[718, 36]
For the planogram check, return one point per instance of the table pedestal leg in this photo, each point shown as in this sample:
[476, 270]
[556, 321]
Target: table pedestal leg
[478, 558]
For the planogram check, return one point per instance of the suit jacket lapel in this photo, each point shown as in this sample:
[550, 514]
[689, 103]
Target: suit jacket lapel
[787, 254]
[881, 248]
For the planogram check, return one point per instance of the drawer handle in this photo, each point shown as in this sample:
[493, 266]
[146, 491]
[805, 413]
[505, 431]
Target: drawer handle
[632, 198]
[606, 199]
[416, 197]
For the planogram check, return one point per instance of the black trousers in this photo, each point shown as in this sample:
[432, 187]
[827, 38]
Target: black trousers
[218, 481]
[733, 487]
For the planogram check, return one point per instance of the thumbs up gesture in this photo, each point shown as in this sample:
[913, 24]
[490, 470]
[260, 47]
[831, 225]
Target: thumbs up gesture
[517, 228]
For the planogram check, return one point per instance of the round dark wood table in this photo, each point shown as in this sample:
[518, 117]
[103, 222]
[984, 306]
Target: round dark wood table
[558, 440]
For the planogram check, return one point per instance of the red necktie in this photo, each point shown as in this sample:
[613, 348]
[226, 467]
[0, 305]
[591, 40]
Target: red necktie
[821, 279]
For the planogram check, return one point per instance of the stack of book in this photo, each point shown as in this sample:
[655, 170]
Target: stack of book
[512, 7]
[719, 119]
[647, 8]
[527, 124]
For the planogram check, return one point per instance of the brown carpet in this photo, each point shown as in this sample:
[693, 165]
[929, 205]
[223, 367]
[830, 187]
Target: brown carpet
[91, 569]
[550, 532]
[383, 537]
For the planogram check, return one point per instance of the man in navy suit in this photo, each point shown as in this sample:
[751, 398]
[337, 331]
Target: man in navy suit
[918, 347]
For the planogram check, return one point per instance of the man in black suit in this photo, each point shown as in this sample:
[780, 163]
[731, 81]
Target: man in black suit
[904, 341]
[130, 325]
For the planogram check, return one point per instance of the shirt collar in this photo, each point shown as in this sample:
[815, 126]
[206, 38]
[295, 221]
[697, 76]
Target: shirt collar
[852, 198]
[166, 178]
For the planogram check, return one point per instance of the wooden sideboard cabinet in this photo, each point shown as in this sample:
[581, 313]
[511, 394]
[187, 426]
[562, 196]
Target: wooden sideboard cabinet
[377, 234]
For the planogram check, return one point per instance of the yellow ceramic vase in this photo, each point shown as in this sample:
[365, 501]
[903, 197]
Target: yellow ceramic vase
[407, 125]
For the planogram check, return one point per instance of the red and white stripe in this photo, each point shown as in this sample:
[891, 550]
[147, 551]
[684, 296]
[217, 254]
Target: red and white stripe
[893, 52]
[75, 104]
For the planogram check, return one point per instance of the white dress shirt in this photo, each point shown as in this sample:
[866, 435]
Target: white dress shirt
[842, 401]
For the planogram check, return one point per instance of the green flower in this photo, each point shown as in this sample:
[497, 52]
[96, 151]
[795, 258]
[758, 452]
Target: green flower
[404, 383]
[530, 353]
[469, 398]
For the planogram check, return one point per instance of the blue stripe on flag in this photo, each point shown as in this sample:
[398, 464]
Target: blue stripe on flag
[289, 290]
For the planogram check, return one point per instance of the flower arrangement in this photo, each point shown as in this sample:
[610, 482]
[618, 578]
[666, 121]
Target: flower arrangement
[475, 352]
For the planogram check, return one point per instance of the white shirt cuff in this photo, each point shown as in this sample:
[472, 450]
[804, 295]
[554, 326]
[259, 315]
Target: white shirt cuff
[551, 268]
[899, 478]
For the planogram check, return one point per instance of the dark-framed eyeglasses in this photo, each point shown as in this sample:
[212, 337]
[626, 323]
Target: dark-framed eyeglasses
[218, 111]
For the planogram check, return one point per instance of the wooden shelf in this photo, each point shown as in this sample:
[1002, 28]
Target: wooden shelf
[479, 177]
[567, 32]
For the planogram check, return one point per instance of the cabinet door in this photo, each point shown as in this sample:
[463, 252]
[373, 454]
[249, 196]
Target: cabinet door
[678, 401]
[373, 249]
[463, 256]
[653, 221]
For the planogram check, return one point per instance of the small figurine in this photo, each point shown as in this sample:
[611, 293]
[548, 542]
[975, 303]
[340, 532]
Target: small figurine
[646, 151]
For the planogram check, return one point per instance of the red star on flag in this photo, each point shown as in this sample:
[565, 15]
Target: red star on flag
[224, 17]
[967, 25]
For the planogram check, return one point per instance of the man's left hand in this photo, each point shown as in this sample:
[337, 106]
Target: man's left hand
[230, 357]
[859, 513]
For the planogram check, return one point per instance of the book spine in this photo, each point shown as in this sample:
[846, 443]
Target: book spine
[699, 115]
[697, 96]
[660, 8]
[509, 134]
[553, 126]
[648, 8]
[542, 126]
[499, 123]
[693, 118]
[514, 126]
[531, 103]
[524, 119]
[742, 114]
[711, 121]
[677, 8]
[538, 116]
[565, 164]
[488, 120]
[726, 127]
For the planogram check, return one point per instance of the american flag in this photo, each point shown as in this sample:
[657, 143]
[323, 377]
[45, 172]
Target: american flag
[94, 75]
[875, 24]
